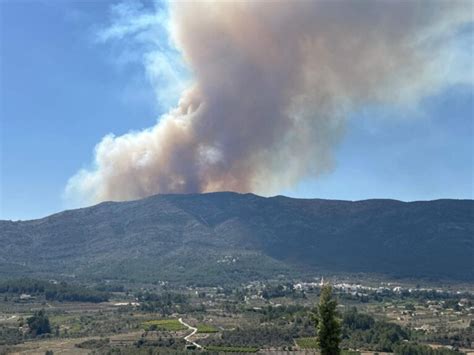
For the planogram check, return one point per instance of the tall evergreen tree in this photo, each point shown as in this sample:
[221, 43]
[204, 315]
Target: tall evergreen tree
[328, 326]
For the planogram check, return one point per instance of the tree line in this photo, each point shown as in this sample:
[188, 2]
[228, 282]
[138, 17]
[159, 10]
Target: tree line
[53, 291]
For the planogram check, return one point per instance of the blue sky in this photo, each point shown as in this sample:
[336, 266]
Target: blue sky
[62, 91]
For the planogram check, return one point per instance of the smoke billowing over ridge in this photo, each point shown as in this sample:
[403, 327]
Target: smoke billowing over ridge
[273, 83]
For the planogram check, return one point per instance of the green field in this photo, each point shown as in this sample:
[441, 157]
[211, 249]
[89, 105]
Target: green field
[231, 349]
[307, 343]
[172, 325]
[206, 328]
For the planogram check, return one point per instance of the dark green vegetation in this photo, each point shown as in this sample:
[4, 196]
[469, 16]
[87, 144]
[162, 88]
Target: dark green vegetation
[222, 238]
[362, 330]
[38, 323]
[52, 291]
[327, 323]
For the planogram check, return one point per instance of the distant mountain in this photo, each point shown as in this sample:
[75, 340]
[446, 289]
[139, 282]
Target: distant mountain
[222, 237]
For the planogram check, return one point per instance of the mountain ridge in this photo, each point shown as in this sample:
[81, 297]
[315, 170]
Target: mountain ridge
[235, 193]
[161, 236]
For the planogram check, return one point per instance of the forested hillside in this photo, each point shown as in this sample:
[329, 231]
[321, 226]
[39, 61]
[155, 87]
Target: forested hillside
[220, 237]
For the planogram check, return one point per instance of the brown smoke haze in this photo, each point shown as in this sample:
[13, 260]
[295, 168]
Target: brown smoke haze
[273, 85]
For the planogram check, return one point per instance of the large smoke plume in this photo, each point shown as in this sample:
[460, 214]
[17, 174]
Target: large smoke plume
[273, 84]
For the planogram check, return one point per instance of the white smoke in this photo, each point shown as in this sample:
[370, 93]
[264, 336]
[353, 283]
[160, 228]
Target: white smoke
[272, 85]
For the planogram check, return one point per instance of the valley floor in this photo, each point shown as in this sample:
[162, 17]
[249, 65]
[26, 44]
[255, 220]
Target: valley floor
[271, 317]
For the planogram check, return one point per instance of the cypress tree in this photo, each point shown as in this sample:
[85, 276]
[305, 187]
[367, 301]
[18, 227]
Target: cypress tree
[328, 326]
